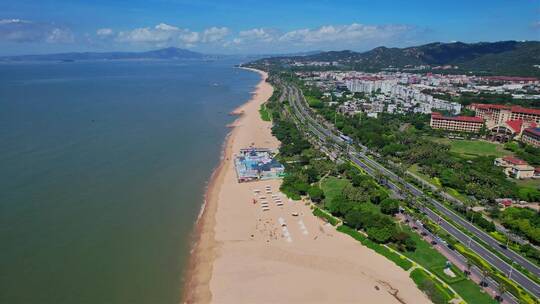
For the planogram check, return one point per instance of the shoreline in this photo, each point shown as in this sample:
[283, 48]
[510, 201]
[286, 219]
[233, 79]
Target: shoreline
[196, 283]
[241, 255]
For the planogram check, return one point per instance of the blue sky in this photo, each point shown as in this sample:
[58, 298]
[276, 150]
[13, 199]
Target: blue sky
[246, 26]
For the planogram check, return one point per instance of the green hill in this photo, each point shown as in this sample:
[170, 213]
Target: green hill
[491, 58]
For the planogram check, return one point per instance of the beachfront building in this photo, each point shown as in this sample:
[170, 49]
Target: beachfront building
[531, 136]
[515, 167]
[456, 123]
[257, 164]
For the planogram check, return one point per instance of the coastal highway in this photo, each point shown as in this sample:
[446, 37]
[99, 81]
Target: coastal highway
[299, 106]
[486, 238]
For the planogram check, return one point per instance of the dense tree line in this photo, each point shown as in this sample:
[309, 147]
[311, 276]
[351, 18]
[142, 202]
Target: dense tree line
[524, 221]
[477, 218]
[407, 139]
[365, 205]
[303, 164]
[528, 153]
[403, 139]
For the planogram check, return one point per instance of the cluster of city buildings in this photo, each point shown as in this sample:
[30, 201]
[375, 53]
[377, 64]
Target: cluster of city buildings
[402, 92]
[399, 91]
[407, 92]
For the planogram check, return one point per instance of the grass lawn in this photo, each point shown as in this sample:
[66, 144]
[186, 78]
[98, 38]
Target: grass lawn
[529, 183]
[332, 186]
[432, 260]
[435, 181]
[314, 102]
[438, 294]
[453, 192]
[382, 250]
[439, 271]
[265, 115]
[424, 254]
[474, 148]
[469, 291]
[328, 217]
[416, 170]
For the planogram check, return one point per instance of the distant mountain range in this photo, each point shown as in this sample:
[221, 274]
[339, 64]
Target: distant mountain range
[306, 53]
[503, 58]
[488, 58]
[167, 53]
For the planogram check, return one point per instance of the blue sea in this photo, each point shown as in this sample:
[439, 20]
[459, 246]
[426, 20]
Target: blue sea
[103, 170]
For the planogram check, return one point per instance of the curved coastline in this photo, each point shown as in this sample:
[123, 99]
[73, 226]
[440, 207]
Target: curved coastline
[196, 286]
[240, 255]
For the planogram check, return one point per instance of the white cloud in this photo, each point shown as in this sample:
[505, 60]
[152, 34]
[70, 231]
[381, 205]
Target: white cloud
[24, 31]
[345, 33]
[215, 34]
[104, 32]
[352, 36]
[166, 27]
[169, 35]
[57, 35]
[160, 35]
[8, 21]
[256, 34]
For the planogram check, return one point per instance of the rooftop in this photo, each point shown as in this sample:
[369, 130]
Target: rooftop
[257, 163]
[515, 109]
[520, 109]
[510, 78]
[535, 131]
[514, 161]
[438, 115]
[515, 125]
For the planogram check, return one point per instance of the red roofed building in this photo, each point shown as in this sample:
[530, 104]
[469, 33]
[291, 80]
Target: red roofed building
[514, 161]
[512, 79]
[506, 202]
[515, 125]
[506, 122]
[515, 167]
[456, 123]
[497, 114]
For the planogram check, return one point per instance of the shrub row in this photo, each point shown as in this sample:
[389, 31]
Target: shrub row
[399, 260]
[437, 293]
[511, 287]
[329, 218]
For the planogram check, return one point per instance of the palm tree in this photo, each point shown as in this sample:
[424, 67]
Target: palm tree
[380, 178]
[483, 282]
[469, 266]
[501, 289]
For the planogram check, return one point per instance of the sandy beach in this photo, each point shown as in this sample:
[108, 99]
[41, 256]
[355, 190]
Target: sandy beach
[244, 255]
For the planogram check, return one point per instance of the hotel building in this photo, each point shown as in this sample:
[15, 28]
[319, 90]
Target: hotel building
[498, 114]
[531, 136]
[458, 123]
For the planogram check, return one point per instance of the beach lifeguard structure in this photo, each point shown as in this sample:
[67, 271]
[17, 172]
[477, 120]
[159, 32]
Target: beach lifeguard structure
[257, 164]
